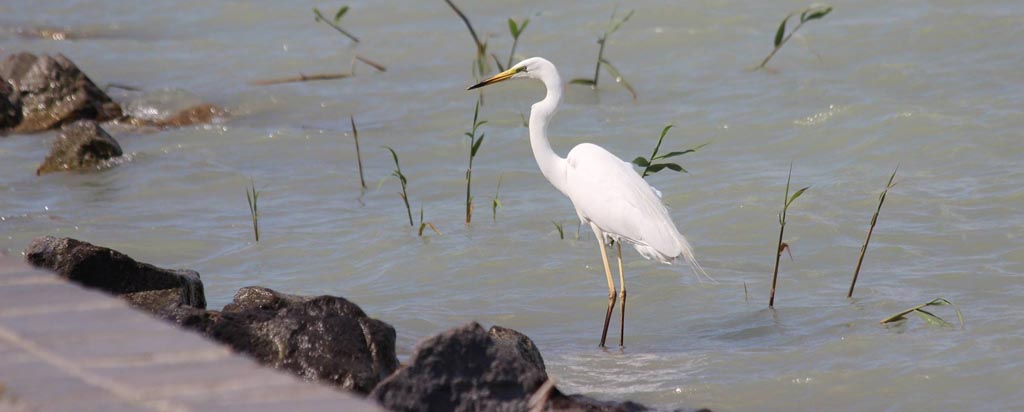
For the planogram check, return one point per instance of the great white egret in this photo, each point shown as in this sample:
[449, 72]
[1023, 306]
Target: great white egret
[606, 192]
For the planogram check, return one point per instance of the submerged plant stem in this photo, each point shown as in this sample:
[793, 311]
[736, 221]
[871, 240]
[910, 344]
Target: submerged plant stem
[874, 220]
[300, 78]
[359, 157]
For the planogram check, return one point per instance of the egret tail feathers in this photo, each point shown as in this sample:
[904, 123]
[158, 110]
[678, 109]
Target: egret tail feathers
[687, 253]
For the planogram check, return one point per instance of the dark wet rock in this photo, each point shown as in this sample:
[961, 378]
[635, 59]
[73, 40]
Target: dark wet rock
[52, 91]
[467, 369]
[81, 145]
[141, 284]
[10, 107]
[518, 343]
[580, 403]
[462, 369]
[260, 298]
[325, 338]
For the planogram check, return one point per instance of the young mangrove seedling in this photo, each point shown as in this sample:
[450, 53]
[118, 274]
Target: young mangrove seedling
[787, 201]
[335, 23]
[359, 157]
[649, 165]
[613, 26]
[496, 203]
[401, 179]
[474, 146]
[253, 197]
[813, 12]
[874, 220]
[424, 225]
[926, 315]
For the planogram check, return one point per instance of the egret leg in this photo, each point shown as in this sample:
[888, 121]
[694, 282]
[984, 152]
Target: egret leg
[622, 296]
[611, 284]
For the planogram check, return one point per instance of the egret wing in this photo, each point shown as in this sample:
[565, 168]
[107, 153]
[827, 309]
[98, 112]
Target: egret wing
[607, 191]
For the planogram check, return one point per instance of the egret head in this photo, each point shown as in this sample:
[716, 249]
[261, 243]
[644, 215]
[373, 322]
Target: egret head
[533, 68]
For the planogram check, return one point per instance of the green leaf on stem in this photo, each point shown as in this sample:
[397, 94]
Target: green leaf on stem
[781, 31]
[619, 78]
[341, 12]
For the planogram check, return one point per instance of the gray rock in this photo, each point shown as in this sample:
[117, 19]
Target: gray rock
[82, 145]
[141, 284]
[52, 92]
[462, 369]
[326, 339]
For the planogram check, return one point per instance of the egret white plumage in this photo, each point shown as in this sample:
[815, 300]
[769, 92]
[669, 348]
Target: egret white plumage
[605, 190]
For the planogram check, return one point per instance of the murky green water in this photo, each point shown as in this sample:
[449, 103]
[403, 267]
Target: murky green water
[936, 87]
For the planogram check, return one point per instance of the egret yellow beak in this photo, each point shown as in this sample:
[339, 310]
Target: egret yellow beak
[500, 77]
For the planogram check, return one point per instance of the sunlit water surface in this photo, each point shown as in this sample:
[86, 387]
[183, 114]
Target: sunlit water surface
[936, 87]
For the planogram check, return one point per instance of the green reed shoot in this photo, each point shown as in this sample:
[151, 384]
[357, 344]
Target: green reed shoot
[401, 179]
[253, 197]
[424, 225]
[787, 201]
[813, 12]
[481, 66]
[561, 230]
[359, 157]
[613, 26]
[334, 23]
[496, 203]
[515, 29]
[649, 165]
[474, 146]
[874, 220]
[927, 316]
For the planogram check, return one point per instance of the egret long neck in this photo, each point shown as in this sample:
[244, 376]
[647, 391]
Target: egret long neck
[551, 165]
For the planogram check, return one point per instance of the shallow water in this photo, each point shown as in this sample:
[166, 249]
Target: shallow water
[935, 87]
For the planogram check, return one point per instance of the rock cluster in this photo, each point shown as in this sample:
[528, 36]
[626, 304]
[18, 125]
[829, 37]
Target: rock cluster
[331, 340]
[50, 91]
[40, 93]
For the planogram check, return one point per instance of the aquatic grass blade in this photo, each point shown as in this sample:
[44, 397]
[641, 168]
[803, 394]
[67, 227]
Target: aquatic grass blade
[924, 314]
[781, 31]
[252, 196]
[787, 201]
[871, 229]
[401, 179]
[320, 18]
[796, 195]
[619, 78]
[341, 12]
[781, 37]
[561, 233]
